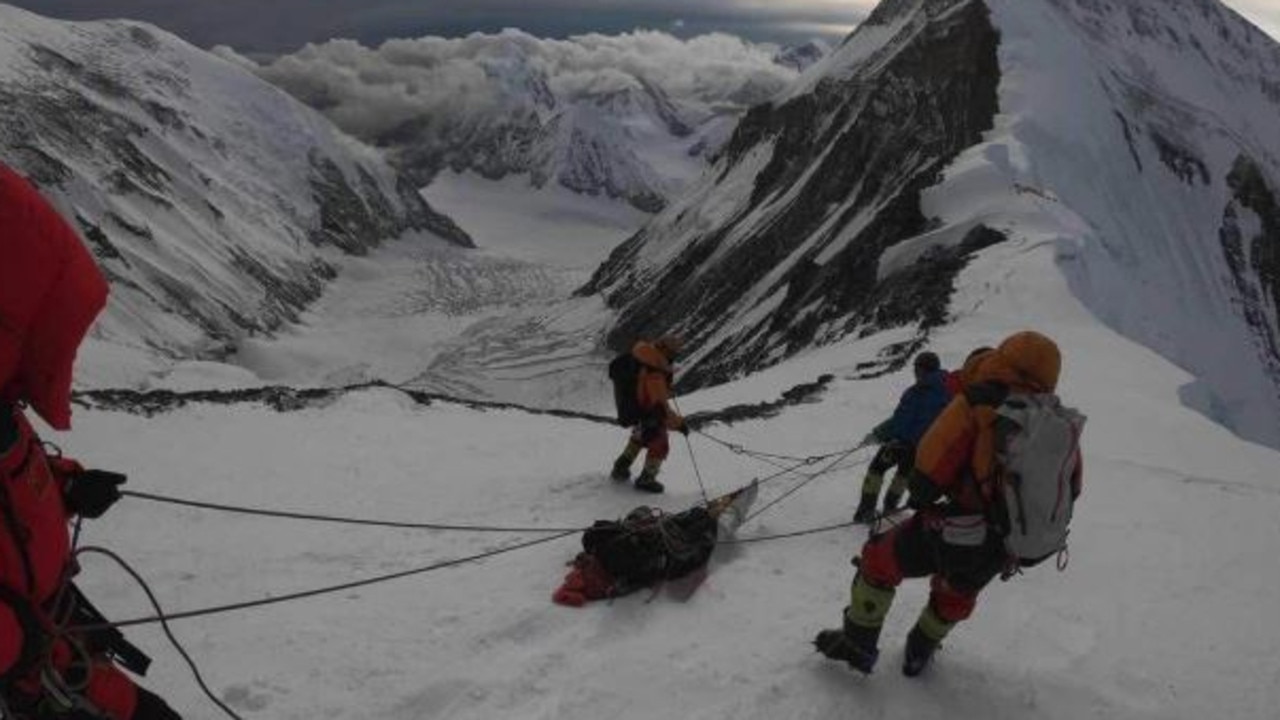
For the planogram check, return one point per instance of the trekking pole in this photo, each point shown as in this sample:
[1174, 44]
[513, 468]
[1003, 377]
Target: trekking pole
[692, 457]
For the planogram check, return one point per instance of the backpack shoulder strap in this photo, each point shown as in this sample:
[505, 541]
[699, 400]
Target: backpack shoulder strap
[987, 394]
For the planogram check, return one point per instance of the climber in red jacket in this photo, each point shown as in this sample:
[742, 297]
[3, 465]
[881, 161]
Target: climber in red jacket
[50, 293]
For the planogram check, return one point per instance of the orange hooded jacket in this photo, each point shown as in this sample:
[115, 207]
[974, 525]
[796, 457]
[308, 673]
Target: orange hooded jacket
[653, 387]
[957, 456]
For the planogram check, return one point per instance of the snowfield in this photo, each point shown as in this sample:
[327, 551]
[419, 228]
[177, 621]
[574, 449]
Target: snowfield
[494, 322]
[1164, 612]
[553, 225]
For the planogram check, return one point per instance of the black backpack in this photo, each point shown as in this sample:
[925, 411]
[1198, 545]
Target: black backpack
[647, 547]
[624, 371]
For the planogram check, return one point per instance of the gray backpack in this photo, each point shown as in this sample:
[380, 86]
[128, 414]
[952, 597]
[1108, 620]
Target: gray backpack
[1037, 447]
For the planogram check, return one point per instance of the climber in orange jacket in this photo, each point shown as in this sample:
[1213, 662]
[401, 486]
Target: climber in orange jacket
[950, 538]
[50, 293]
[653, 397]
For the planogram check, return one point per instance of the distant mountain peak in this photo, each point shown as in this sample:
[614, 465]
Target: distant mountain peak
[502, 104]
[803, 56]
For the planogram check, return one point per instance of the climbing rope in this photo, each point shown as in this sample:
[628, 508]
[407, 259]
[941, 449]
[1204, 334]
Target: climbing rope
[739, 449]
[328, 590]
[785, 536]
[164, 625]
[290, 515]
[693, 458]
[836, 461]
[775, 460]
[808, 478]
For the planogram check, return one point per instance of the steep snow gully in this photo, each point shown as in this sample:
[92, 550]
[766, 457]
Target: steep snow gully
[1065, 165]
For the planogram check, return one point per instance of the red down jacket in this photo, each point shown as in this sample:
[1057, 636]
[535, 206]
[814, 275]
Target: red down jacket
[50, 292]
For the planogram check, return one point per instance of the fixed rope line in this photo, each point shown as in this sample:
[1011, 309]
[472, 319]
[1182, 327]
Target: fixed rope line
[559, 533]
[809, 477]
[794, 469]
[787, 535]
[692, 457]
[760, 454]
[739, 449]
[289, 515]
[164, 618]
[328, 590]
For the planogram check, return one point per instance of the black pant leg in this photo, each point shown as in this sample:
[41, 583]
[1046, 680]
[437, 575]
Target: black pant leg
[970, 569]
[886, 457]
[914, 548]
[906, 458]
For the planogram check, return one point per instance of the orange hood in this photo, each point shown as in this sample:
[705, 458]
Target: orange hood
[650, 355]
[1026, 361]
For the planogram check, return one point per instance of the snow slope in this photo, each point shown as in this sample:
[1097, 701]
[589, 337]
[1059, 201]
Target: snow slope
[214, 202]
[1164, 611]
[491, 322]
[391, 315]
[1144, 138]
[553, 226]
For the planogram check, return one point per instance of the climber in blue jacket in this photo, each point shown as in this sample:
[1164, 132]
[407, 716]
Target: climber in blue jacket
[919, 407]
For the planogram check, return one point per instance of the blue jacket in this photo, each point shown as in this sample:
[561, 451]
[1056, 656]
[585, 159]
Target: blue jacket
[919, 407]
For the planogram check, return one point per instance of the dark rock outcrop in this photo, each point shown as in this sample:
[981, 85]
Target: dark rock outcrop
[150, 403]
[847, 165]
[1255, 261]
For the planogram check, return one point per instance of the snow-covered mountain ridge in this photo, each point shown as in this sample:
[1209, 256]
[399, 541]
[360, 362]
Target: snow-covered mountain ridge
[779, 247]
[633, 116]
[941, 127]
[214, 202]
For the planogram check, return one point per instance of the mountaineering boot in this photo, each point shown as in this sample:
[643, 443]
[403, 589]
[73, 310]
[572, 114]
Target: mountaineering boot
[923, 640]
[866, 511]
[621, 470]
[853, 644]
[919, 652]
[622, 466]
[647, 481]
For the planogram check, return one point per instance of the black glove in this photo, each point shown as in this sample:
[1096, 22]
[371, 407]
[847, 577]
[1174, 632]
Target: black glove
[923, 492]
[683, 429]
[91, 492]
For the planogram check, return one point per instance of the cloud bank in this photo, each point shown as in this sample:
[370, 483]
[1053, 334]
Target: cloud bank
[254, 26]
[454, 83]
[262, 28]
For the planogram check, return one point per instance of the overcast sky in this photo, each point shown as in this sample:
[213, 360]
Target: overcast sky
[273, 26]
